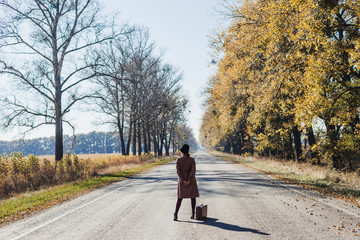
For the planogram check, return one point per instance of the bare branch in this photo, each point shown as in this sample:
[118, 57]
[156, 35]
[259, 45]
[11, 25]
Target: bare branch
[75, 100]
[10, 70]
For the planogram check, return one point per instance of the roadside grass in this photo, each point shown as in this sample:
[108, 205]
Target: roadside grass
[26, 203]
[344, 185]
[19, 174]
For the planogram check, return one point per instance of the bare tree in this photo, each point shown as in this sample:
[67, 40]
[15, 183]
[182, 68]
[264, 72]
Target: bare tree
[172, 107]
[138, 94]
[45, 48]
[125, 66]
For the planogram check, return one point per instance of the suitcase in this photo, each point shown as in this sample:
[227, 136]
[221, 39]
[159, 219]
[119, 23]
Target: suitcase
[201, 211]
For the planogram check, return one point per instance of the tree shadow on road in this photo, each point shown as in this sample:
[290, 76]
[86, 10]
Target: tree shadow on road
[230, 227]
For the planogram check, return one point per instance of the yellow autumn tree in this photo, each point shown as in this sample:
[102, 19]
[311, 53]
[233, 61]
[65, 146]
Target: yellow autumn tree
[331, 78]
[288, 80]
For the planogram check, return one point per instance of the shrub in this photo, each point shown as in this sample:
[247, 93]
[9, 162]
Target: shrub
[47, 172]
[32, 172]
[77, 167]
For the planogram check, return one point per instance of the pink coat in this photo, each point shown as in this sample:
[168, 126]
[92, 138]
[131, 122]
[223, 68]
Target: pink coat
[186, 169]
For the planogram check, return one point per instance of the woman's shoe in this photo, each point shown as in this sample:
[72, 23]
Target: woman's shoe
[192, 216]
[175, 217]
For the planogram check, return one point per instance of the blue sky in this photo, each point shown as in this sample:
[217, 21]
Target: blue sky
[181, 28]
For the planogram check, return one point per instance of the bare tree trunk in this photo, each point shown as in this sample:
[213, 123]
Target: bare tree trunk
[144, 138]
[312, 142]
[173, 145]
[134, 139]
[332, 134]
[59, 150]
[149, 139]
[122, 140]
[129, 138]
[167, 150]
[155, 142]
[297, 141]
[139, 138]
[167, 144]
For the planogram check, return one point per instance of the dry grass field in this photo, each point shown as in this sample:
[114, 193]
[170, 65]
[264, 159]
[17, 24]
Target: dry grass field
[19, 174]
[107, 163]
[30, 184]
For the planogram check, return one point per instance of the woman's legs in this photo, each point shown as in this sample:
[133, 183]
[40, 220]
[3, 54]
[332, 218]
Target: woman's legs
[193, 204]
[178, 204]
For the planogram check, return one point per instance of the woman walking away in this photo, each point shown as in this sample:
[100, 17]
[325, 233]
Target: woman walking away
[187, 186]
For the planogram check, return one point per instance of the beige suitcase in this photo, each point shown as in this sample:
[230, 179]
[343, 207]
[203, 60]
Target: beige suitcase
[201, 211]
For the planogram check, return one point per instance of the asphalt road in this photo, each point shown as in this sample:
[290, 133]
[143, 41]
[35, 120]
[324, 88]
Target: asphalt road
[242, 204]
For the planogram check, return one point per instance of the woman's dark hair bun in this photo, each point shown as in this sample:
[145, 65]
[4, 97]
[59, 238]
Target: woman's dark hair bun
[185, 149]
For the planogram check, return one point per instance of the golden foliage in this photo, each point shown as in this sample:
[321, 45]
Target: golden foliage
[287, 67]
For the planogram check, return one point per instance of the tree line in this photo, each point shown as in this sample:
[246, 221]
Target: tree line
[287, 81]
[90, 143]
[61, 53]
[86, 143]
